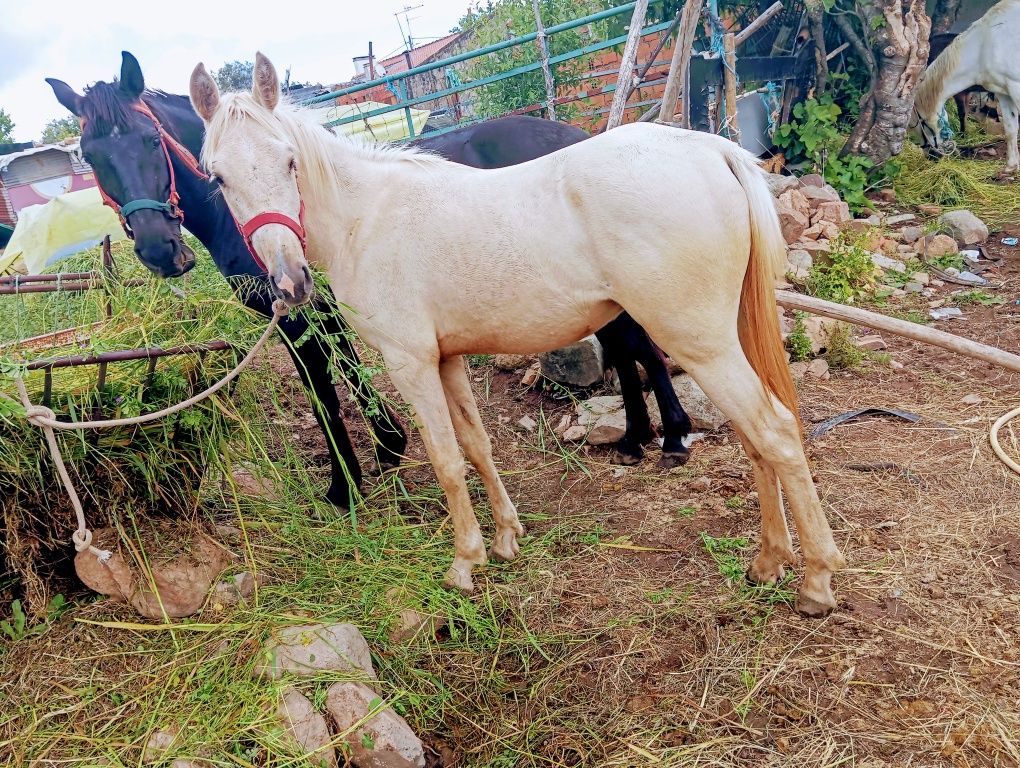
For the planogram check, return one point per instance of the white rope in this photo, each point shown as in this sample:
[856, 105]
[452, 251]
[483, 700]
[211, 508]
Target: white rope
[46, 419]
[993, 438]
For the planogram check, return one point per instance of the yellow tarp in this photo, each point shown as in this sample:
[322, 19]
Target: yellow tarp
[65, 225]
[389, 127]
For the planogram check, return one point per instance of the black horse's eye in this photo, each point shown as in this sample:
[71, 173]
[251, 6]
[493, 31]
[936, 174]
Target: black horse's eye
[216, 180]
[155, 141]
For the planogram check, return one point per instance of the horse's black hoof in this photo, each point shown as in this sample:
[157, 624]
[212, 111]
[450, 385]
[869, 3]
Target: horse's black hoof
[339, 496]
[673, 459]
[626, 455]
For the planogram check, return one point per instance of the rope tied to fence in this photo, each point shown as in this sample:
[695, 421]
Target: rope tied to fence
[45, 418]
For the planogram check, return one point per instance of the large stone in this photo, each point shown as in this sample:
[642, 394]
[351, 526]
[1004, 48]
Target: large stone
[836, 212]
[818, 195]
[798, 263]
[819, 330]
[884, 262]
[911, 235]
[812, 180]
[309, 650]
[410, 622]
[579, 365]
[702, 411]
[817, 248]
[964, 227]
[305, 729]
[603, 418]
[234, 589]
[821, 229]
[791, 221]
[778, 184]
[511, 362]
[939, 245]
[158, 743]
[383, 739]
[178, 586]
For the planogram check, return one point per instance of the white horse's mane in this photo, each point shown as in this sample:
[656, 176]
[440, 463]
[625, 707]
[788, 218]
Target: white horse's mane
[315, 146]
[927, 99]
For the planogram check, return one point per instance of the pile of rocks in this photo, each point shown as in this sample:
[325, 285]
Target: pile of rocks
[811, 215]
[373, 734]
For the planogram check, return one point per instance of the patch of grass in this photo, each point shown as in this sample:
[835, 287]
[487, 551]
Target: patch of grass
[846, 274]
[476, 361]
[735, 502]
[949, 261]
[726, 552]
[798, 342]
[687, 512]
[976, 296]
[842, 353]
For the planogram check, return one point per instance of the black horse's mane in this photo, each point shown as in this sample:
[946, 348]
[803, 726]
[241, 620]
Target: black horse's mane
[107, 108]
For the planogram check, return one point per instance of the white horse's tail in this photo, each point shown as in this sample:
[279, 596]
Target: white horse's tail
[758, 321]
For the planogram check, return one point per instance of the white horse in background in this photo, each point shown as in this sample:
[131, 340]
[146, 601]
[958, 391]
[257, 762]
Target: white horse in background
[434, 260]
[984, 54]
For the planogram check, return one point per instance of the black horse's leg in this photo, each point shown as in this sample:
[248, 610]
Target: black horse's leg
[391, 440]
[961, 100]
[619, 355]
[312, 364]
[675, 423]
[633, 344]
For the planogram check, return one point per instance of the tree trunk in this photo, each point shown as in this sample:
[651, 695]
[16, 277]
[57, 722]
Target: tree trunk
[944, 16]
[900, 46]
[815, 14]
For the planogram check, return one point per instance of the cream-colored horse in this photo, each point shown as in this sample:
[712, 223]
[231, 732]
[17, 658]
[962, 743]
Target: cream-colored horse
[984, 55]
[436, 260]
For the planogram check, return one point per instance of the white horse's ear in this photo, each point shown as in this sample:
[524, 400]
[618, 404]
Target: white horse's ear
[205, 96]
[265, 86]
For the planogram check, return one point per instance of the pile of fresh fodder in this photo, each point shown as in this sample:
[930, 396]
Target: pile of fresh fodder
[152, 469]
[956, 182]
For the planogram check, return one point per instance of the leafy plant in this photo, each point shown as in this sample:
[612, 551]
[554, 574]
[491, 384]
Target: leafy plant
[798, 342]
[842, 353]
[949, 261]
[977, 296]
[847, 273]
[725, 551]
[18, 629]
[813, 138]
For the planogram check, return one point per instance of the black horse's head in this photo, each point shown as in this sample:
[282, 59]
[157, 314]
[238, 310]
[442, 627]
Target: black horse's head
[125, 150]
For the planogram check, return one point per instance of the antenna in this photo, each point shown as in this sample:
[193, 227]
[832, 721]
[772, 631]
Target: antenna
[408, 39]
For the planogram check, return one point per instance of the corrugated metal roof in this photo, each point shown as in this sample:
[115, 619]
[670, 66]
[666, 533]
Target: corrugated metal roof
[71, 149]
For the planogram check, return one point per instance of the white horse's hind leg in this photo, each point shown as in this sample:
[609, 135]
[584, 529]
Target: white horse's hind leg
[1008, 105]
[776, 544]
[419, 382]
[478, 447]
[728, 379]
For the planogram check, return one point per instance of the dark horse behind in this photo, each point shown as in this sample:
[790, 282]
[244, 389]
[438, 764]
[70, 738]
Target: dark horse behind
[131, 136]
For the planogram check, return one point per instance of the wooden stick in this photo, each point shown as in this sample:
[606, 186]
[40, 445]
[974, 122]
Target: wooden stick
[680, 65]
[730, 86]
[543, 48]
[759, 22]
[625, 80]
[921, 333]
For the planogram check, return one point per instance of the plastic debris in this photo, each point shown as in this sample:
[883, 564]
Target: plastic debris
[942, 313]
[970, 277]
[1010, 241]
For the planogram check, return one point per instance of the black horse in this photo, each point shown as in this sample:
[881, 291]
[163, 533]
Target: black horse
[125, 150]
[133, 165]
[513, 140]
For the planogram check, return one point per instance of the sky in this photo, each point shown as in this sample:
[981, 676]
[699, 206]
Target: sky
[80, 42]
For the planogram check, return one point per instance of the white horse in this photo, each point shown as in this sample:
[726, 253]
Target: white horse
[435, 260]
[982, 55]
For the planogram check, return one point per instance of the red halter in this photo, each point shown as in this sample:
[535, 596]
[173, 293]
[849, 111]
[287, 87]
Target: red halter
[274, 217]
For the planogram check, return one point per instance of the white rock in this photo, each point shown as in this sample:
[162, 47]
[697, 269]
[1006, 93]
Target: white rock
[964, 227]
[903, 218]
[305, 728]
[309, 650]
[383, 740]
[884, 262]
[575, 434]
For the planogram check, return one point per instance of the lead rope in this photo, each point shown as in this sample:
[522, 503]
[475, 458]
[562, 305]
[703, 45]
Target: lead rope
[993, 438]
[45, 419]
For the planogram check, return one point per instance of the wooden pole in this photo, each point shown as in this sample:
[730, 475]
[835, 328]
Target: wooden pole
[759, 22]
[543, 49]
[680, 65]
[730, 86]
[625, 80]
[921, 333]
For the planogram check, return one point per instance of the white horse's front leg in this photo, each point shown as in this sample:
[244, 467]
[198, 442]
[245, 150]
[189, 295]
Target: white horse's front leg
[418, 380]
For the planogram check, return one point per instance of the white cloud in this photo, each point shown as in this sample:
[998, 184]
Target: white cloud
[80, 43]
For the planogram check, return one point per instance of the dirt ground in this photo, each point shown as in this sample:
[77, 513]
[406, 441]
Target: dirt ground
[676, 664]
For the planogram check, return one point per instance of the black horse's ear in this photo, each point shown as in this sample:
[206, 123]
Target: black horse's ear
[131, 81]
[65, 95]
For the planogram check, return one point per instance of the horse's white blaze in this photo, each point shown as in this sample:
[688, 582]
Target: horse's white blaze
[436, 260]
[984, 54]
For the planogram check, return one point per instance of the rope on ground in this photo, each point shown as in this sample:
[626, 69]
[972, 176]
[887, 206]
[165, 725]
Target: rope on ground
[46, 419]
[993, 438]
